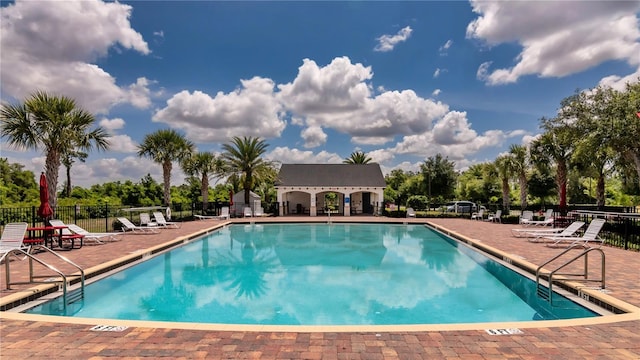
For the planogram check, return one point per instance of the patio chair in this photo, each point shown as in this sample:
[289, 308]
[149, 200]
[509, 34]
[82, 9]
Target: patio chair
[259, 212]
[127, 225]
[247, 212]
[478, 215]
[528, 232]
[569, 231]
[591, 234]
[97, 237]
[224, 215]
[497, 217]
[161, 221]
[411, 212]
[525, 216]
[145, 220]
[548, 220]
[12, 239]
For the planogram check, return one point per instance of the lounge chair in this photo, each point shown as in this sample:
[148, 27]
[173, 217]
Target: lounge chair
[526, 216]
[529, 232]
[497, 217]
[569, 231]
[478, 215]
[161, 221]
[13, 239]
[591, 234]
[411, 212]
[548, 220]
[145, 220]
[97, 237]
[259, 212]
[247, 212]
[127, 225]
[224, 215]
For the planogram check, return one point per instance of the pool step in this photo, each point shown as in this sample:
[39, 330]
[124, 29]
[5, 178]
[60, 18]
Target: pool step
[75, 295]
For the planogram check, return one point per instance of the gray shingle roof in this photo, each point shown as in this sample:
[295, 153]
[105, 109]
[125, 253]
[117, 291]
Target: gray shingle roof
[330, 175]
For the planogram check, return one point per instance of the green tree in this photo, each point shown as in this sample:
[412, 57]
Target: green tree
[67, 161]
[243, 158]
[505, 171]
[164, 147]
[555, 146]
[519, 157]
[54, 124]
[625, 124]
[357, 157]
[440, 176]
[206, 165]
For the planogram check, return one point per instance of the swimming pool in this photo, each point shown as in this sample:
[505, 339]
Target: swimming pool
[318, 274]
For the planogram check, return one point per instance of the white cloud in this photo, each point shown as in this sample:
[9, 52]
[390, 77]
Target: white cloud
[111, 125]
[436, 73]
[251, 110]
[620, 82]
[443, 49]
[388, 42]
[313, 136]
[436, 92]
[122, 144]
[285, 155]
[558, 38]
[51, 47]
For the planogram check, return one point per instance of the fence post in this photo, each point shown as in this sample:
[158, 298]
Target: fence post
[106, 217]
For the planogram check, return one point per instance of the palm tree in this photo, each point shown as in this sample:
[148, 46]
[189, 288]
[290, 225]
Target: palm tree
[55, 125]
[503, 165]
[67, 161]
[556, 145]
[243, 160]
[164, 147]
[357, 157]
[520, 165]
[206, 165]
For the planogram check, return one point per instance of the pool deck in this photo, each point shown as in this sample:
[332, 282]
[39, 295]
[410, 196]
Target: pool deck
[609, 337]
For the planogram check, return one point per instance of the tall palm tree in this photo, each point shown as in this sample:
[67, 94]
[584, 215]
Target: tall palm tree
[67, 161]
[205, 165]
[164, 147]
[505, 171]
[357, 157]
[520, 166]
[243, 159]
[555, 146]
[55, 125]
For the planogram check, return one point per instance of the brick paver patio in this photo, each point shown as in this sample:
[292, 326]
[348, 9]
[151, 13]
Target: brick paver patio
[22, 338]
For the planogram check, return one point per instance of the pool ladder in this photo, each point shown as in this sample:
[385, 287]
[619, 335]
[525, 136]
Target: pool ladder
[546, 293]
[69, 296]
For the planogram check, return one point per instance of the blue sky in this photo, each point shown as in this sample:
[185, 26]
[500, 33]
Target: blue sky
[401, 81]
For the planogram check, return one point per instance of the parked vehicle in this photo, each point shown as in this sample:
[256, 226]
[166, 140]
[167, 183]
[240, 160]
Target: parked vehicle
[461, 206]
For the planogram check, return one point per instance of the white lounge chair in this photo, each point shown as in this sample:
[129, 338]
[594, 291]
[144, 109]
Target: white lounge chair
[127, 225]
[247, 212]
[99, 237]
[259, 212]
[161, 221]
[478, 215]
[548, 220]
[591, 234]
[526, 216]
[145, 220]
[535, 232]
[411, 212]
[569, 231]
[67, 232]
[497, 217]
[12, 239]
[224, 215]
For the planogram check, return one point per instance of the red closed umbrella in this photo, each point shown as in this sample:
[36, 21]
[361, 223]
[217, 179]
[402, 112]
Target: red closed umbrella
[44, 211]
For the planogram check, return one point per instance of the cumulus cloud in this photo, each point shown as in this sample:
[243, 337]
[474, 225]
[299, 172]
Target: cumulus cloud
[286, 155]
[111, 125]
[557, 38]
[388, 42]
[51, 47]
[436, 92]
[251, 110]
[444, 48]
[313, 136]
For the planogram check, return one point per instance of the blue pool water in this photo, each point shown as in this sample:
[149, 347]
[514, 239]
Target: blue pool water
[318, 274]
